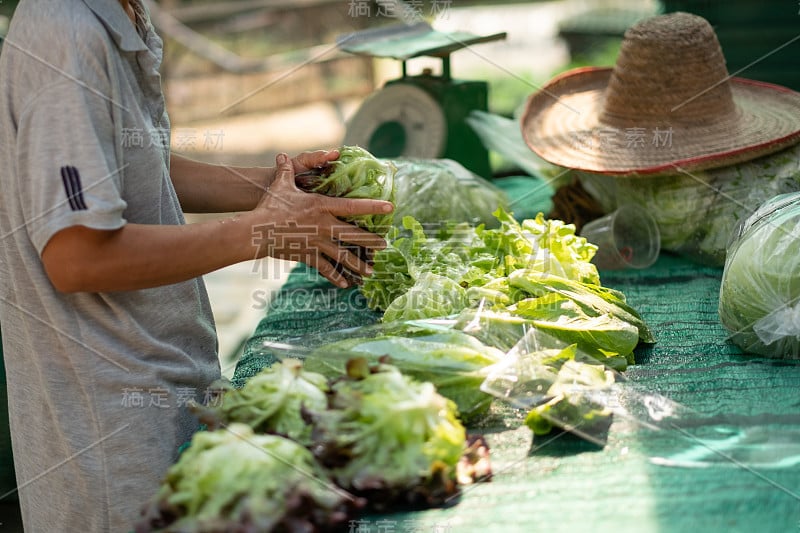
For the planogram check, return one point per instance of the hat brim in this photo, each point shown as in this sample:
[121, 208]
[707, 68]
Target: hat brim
[561, 123]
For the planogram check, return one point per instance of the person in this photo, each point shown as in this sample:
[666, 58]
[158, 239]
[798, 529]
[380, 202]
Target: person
[107, 328]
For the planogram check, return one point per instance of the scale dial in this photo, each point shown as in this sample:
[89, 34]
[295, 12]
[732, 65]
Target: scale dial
[400, 120]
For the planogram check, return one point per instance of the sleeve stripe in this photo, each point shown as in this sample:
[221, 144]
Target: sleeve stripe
[72, 186]
[77, 188]
[68, 187]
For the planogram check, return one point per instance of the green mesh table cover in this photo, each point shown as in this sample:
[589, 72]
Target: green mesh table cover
[562, 483]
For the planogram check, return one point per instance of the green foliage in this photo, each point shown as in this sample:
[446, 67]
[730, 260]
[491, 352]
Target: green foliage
[233, 479]
[454, 362]
[397, 433]
[473, 258]
[358, 174]
[272, 401]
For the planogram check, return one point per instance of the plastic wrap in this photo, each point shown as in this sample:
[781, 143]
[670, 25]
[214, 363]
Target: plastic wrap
[428, 350]
[696, 212]
[557, 384]
[560, 386]
[760, 291]
[435, 191]
[476, 361]
[456, 353]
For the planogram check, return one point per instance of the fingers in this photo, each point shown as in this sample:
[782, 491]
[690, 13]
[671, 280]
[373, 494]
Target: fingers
[348, 207]
[350, 234]
[322, 239]
[349, 256]
[283, 168]
[309, 160]
[339, 265]
[328, 271]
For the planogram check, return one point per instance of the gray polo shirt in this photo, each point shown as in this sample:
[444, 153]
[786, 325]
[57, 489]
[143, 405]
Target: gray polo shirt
[98, 382]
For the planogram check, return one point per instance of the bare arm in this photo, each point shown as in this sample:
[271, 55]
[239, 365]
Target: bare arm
[286, 224]
[208, 188]
[136, 256]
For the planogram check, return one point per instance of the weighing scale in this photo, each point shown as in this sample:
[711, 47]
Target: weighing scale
[424, 115]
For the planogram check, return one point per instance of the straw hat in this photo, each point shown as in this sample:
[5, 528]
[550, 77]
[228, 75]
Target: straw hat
[668, 103]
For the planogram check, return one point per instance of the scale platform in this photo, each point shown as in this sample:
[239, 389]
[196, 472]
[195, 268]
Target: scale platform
[406, 41]
[424, 115]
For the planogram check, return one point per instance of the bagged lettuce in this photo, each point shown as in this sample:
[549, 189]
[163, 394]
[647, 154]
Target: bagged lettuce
[696, 212]
[436, 191]
[558, 385]
[455, 362]
[760, 292]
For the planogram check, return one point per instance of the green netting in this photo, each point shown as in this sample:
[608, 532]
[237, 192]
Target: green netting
[561, 483]
[307, 303]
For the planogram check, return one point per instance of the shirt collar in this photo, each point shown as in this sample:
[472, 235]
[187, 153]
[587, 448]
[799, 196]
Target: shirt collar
[119, 26]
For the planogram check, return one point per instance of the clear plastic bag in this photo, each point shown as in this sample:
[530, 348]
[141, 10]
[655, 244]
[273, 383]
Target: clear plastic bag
[560, 386]
[475, 361]
[433, 350]
[696, 212]
[557, 384]
[760, 291]
[437, 191]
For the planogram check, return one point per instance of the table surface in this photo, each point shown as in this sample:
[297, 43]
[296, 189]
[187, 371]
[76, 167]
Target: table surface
[562, 483]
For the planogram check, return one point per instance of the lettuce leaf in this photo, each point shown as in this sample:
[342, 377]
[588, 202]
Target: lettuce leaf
[236, 480]
[272, 401]
[455, 362]
[388, 433]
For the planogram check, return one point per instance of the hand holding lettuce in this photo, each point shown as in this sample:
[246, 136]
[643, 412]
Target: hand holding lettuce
[433, 191]
[355, 174]
[511, 278]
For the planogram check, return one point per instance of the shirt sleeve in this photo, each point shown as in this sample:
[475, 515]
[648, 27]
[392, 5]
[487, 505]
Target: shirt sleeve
[67, 164]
